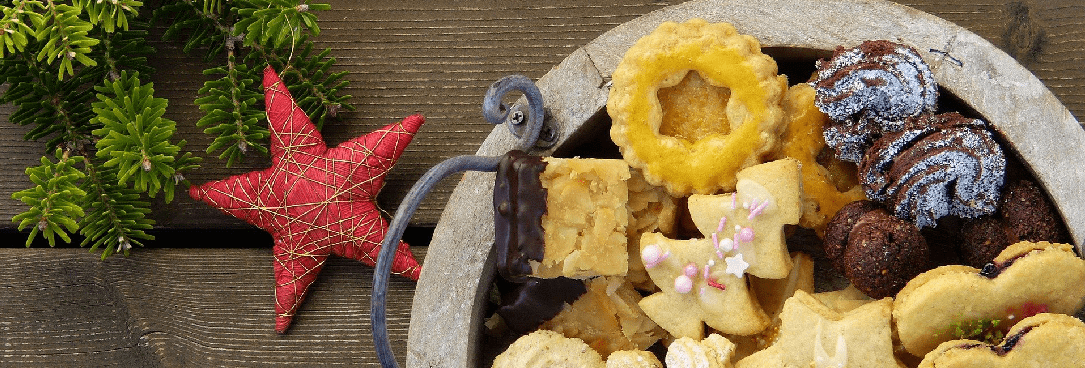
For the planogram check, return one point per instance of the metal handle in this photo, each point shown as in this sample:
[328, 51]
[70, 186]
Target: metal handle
[496, 113]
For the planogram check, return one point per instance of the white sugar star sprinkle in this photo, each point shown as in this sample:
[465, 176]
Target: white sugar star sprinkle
[736, 266]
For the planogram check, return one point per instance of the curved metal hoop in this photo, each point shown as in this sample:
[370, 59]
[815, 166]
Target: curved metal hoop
[525, 125]
[495, 112]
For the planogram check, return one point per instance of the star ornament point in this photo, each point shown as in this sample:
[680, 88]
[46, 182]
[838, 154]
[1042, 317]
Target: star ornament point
[315, 201]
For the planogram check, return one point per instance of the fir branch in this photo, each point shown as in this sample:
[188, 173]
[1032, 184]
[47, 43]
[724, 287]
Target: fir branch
[135, 137]
[58, 109]
[54, 207]
[65, 36]
[116, 217]
[310, 81]
[111, 14]
[233, 112]
[274, 22]
[15, 31]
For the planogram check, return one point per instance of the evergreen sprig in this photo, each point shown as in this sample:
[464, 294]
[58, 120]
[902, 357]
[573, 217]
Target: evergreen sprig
[116, 215]
[54, 207]
[111, 14]
[135, 137]
[95, 112]
[233, 112]
[274, 23]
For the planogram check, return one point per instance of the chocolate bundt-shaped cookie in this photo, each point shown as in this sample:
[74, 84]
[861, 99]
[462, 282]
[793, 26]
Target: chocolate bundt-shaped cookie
[937, 165]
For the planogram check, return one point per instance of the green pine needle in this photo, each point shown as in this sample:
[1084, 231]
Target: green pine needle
[54, 202]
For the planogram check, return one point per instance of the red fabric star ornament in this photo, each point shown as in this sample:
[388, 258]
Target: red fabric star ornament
[314, 200]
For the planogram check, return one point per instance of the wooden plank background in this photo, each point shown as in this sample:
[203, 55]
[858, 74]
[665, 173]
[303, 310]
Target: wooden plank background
[203, 297]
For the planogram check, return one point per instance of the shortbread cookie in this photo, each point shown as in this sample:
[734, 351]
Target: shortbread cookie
[813, 335]
[560, 217]
[843, 300]
[714, 351]
[693, 103]
[1039, 273]
[548, 349]
[750, 221]
[688, 299]
[607, 318]
[1043, 340]
[704, 279]
[633, 359]
[772, 293]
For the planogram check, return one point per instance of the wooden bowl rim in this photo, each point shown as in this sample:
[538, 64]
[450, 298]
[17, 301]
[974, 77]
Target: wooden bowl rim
[446, 317]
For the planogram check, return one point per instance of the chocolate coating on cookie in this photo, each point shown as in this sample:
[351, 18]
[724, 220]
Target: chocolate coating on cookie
[869, 90]
[839, 228]
[538, 300]
[519, 204]
[883, 253]
[937, 165]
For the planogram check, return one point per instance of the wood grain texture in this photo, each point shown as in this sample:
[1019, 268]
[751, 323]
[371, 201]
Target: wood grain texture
[183, 308]
[438, 58]
[213, 307]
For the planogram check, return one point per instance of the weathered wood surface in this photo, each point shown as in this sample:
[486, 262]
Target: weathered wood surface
[438, 58]
[63, 307]
[183, 308]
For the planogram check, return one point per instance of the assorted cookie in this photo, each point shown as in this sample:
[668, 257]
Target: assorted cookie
[632, 262]
[561, 217]
[1043, 340]
[1038, 273]
[812, 334]
[730, 131]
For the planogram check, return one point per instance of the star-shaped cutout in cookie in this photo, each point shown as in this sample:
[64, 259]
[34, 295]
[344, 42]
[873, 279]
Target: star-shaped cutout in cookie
[813, 335]
[314, 200]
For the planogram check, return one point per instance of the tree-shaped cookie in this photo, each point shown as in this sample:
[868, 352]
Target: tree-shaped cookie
[703, 280]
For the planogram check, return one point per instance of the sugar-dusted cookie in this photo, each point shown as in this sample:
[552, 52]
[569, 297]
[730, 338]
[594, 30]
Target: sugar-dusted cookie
[607, 318]
[714, 351]
[813, 335]
[1043, 340]
[560, 217]
[1040, 273]
[633, 359]
[548, 349]
[750, 221]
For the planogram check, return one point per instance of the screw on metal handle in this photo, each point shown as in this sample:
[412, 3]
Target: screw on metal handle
[524, 122]
[496, 113]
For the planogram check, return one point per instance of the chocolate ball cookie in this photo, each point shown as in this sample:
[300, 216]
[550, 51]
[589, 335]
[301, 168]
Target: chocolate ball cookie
[883, 253]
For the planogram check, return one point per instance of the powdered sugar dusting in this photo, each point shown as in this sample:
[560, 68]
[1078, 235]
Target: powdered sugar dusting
[870, 90]
[938, 165]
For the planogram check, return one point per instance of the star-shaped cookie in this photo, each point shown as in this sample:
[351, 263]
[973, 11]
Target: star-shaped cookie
[314, 200]
[813, 335]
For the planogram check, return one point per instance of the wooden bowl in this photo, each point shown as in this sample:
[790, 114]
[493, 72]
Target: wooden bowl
[446, 320]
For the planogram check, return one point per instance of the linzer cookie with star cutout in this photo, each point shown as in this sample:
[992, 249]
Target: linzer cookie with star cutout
[560, 217]
[314, 200]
